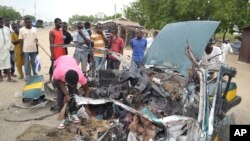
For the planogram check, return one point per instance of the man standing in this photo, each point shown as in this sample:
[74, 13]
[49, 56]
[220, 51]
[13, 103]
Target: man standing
[81, 39]
[212, 53]
[138, 45]
[87, 26]
[56, 42]
[66, 36]
[12, 54]
[117, 45]
[151, 39]
[225, 49]
[5, 44]
[28, 41]
[99, 43]
[107, 34]
[18, 51]
[67, 73]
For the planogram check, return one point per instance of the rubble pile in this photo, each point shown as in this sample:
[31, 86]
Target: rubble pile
[137, 98]
[92, 128]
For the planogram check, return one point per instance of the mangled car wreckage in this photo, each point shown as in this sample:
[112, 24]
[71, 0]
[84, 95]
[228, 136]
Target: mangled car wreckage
[172, 98]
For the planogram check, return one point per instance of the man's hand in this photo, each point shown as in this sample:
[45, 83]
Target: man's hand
[81, 33]
[66, 98]
[86, 40]
[36, 41]
[52, 58]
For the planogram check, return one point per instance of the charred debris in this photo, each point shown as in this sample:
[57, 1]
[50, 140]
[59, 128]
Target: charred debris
[158, 103]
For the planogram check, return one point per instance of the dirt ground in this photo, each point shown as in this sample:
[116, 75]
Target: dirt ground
[10, 93]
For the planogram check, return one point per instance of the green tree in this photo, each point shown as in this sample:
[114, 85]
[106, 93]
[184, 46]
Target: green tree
[231, 13]
[118, 15]
[135, 12]
[6, 11]
[154, 14]
[83, 18]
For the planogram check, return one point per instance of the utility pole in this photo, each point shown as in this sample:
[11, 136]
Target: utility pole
[115, 11]
[35, 8]
[23, 11]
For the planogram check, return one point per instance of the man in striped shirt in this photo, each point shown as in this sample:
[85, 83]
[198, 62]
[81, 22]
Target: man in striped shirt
[99, 40]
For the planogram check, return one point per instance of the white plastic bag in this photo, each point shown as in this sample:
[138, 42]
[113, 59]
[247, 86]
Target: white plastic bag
[38, 64]
[82, 113]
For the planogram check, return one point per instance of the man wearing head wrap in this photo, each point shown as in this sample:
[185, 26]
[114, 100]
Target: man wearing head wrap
[67, 73]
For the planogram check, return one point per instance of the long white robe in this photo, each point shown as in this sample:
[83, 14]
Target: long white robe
[5, 45]
[226, 48]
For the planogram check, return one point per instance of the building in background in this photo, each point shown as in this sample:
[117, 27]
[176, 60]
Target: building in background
[126, 28]
[244, 55]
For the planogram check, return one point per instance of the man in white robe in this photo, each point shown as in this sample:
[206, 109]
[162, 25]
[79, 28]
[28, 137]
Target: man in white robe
[5, 45]
[226, 48]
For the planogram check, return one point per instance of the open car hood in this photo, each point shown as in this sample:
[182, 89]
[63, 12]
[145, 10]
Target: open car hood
[168, 48]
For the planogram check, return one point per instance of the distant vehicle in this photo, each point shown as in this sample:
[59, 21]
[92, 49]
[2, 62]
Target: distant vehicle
[39, 23]
[236, 47]
[33, 23]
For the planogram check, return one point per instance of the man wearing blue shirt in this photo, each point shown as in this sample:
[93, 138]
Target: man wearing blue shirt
[139, 45]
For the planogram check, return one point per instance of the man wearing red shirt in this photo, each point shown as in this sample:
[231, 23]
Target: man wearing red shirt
[117, 45]
[56, 38]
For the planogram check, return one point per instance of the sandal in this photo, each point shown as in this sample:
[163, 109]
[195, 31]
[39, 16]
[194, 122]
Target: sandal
[61, 124]
[11, 80]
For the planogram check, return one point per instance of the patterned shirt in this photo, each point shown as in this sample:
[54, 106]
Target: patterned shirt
[98, 44]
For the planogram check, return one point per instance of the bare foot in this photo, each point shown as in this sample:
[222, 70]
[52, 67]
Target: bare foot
[5, 75]
[13, 75]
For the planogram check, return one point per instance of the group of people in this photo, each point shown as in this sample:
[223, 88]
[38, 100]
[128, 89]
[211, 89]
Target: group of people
[65, 69]
[20, 47]
[84, 40]
[17, 47]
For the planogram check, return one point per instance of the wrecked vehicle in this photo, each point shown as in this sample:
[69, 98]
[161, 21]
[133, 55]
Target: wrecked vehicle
[172, 98]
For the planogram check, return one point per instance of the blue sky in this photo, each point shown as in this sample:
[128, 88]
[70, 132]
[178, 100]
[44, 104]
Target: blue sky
[50, 9]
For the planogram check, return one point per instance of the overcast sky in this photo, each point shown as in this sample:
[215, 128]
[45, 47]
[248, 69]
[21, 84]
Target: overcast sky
[50, 9]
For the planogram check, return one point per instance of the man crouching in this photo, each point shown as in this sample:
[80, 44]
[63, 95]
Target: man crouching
[66, 75]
